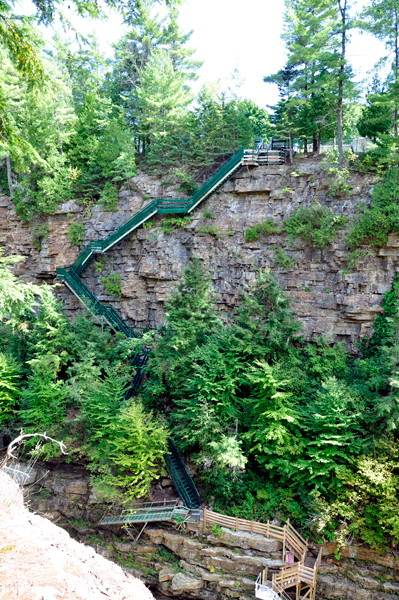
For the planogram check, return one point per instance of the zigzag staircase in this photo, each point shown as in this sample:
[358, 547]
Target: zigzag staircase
[274, 154]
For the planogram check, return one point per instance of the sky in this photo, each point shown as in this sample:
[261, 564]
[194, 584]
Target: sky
[233, 33]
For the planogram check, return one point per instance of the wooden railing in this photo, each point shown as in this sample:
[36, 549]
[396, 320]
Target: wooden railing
[299, 574]
[287, 535]
[296, 576]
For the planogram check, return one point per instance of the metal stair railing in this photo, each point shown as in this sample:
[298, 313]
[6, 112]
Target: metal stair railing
[225, 171]
[92, 303]
[86, 256]
[181, 477]
[139, 363]
[264, 592]
[138, 219]
[281, 593]
[153, 511]
[80, 289]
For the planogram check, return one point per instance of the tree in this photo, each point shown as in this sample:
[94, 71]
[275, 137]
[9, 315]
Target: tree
[376, 117]
[147, 33]
[316, 79]
[162, 96]
[20, 40]
[9, 375]
[15, 297]
[381, 17]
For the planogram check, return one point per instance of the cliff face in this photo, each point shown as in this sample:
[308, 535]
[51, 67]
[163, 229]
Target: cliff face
[328, 296]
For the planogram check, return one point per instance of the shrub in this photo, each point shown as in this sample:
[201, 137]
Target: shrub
[39, 231]
[169, 224]
[76, 233]
[208, 214]
[129, 448]
[367, 500]
[112, 284]
[284, 261]
[43, 402]
[374, 223]
[267, 227]
[109, 197]
[8, 388]
[211, 229]
[317, 225]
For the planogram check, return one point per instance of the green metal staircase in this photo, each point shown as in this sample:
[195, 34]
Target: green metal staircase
[271, 155]
[244, 157]
[181, 478]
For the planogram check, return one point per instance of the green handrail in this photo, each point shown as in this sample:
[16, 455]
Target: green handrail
[92, 303]
[181, 477]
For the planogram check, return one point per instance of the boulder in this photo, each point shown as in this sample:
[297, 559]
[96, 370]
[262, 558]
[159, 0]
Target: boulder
[185, 583]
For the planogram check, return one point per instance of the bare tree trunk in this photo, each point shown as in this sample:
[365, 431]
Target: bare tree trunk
[9, 176]
[342, 6]
[315, 145]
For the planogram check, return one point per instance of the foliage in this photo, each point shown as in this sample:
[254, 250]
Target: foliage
[284, 261]
[76, 233]
[170, 223]
[109, 197]
[338, 174]
[267, 227]
[366, 502]
[112, 284]
[318, 225]
[15, 297]
[373, 223]
[43, 404]
[9, 374]
[125, 444]
[211, 229]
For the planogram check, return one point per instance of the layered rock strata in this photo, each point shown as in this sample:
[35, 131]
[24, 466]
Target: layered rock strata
[329, 297]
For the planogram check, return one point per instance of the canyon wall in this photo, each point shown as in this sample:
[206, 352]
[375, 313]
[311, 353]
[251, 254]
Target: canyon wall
[329, 297]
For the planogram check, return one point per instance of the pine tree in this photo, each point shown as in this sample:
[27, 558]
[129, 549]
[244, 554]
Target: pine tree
[316, 79]
[162, 96]
[381, 17]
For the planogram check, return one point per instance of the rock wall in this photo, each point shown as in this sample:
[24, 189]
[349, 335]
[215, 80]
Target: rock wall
[40, 561]
[329, 297]
[191, 563]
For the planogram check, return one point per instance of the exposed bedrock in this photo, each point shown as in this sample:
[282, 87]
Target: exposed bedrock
[329, 297]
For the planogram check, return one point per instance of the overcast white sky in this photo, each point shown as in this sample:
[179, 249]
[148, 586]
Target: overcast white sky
[229, 33]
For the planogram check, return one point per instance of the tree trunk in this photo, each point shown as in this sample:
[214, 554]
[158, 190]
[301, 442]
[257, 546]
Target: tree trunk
[305, 145]
[342, 6]
[9, 176]
[315, 145]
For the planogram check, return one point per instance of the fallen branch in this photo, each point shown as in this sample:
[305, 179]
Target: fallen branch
[18, 440]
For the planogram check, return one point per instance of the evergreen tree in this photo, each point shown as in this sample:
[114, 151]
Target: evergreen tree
[381, 17]
[316, 80]
[162, 96]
